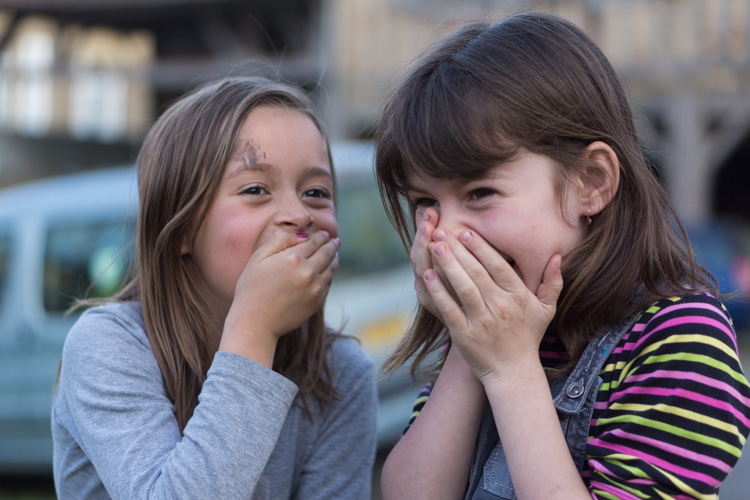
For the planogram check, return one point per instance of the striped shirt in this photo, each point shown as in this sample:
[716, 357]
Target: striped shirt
[673, 412]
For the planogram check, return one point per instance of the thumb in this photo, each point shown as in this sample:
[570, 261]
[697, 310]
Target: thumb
[552, 283]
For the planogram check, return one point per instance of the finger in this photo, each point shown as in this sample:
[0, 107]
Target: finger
[420, 256]
[278, 242]
[313, 242]
[426, 219]
[491, 261]
[464, 287]
[450, 311]
[325, 256]
[467, 260]
[552, 283]
[330, 271]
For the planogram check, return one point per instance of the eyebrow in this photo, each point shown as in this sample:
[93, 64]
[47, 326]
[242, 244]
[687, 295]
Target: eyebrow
[245, 166]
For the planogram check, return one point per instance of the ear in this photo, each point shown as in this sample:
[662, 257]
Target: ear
[186, 246]
[599, 178]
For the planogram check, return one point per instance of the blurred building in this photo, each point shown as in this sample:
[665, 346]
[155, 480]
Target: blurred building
[82, 80]
[686, 65]
[90, 75]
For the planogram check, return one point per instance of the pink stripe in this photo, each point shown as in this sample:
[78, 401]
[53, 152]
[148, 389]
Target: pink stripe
[605, 471]
[602, 470]
[617, 492]
[682, 393]
[687, 320]
[657, 462]
[692, 305]
[550, 355]
[713, 383]
[676, 450]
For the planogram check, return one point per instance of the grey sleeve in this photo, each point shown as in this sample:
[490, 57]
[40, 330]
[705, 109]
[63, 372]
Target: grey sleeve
[339, 465]
[129, 432]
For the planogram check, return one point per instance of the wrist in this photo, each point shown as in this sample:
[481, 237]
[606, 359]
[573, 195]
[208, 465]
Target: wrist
[457, 364]
[250, 342]
[514, 377]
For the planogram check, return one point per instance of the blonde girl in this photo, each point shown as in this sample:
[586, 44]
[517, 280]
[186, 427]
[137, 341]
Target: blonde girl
[212, 374]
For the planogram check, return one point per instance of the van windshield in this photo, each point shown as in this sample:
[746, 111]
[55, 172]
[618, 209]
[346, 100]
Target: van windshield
[87, 258]
[368, 241]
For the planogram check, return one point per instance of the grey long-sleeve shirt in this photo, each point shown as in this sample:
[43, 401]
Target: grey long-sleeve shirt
[116, 436]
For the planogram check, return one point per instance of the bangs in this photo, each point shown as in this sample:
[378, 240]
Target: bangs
[447, 134]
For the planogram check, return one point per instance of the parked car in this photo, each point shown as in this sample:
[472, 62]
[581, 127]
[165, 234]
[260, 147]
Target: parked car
[723, 247]
[59, 237]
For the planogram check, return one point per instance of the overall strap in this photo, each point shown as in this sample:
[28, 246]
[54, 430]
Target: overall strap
[573, 396]
[580, 380]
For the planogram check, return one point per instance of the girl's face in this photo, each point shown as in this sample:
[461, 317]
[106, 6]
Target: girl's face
[278, 178]
[514, 208]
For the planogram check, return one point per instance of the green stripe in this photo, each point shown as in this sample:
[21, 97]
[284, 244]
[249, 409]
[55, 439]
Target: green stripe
[672, 429]
[698, 358]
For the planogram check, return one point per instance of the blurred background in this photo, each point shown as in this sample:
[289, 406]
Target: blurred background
[81, 81]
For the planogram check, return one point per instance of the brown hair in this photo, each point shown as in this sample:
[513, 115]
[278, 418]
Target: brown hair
[536, 81]
[180, 166]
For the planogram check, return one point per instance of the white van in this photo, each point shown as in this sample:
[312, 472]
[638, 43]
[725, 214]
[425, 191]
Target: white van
[60, 235]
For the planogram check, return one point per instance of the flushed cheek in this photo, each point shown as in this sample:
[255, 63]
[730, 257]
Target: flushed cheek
[327, 222]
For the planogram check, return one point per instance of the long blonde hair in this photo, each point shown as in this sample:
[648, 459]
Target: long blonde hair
[180, 166]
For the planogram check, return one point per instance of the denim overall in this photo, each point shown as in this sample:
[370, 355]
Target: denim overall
[574, 397]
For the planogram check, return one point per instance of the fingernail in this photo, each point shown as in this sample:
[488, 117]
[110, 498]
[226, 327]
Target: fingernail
[440, 235]
[337, 241]
[302, 235]
[466, 236]
[429, 275]
[439, 250]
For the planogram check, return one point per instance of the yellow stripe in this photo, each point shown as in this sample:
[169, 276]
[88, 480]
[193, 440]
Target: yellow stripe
[613, 460]
[691, 415]
[671, 429]
[619, 460]
[675, 339]
[422, 399]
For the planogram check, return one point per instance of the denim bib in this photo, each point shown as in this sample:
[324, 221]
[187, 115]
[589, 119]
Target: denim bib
[574, 397]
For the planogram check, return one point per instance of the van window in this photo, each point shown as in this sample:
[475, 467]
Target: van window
[85, 259]
[368, 241]
[4, 258]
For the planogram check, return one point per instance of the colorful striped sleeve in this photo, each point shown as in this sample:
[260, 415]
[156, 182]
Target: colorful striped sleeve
[674, 410]
[424, 394]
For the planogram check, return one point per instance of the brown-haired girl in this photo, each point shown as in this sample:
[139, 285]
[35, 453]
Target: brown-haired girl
[581, 350]
[212, 374]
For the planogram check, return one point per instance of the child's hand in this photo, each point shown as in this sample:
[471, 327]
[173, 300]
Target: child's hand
[285, 282]
[421, 261]
[498, 323]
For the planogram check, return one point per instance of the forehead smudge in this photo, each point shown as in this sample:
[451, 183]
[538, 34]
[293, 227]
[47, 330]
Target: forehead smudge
[249, 154]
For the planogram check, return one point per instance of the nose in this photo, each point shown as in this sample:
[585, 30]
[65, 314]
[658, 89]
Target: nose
[450, 218]
[293, 212]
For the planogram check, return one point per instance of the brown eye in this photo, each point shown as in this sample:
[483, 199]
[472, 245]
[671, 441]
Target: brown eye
[481, 193]
[317, 193]
[425, 202]
[255, 190]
